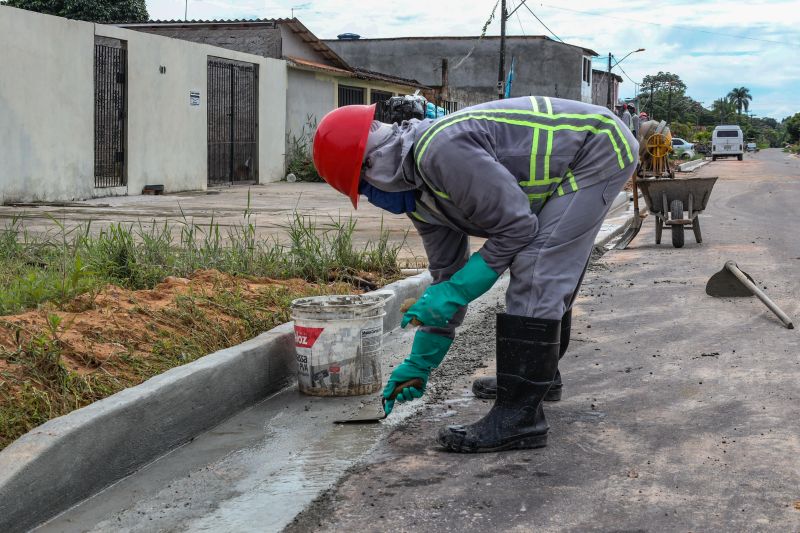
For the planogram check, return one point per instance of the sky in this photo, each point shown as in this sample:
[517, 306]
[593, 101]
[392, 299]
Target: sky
[712, 45]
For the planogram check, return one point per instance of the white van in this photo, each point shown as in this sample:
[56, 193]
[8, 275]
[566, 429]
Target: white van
[727, 141]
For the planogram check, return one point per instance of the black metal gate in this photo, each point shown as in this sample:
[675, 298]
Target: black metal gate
[110, 113]
[232, 122]
[379, 97]
[351, 95]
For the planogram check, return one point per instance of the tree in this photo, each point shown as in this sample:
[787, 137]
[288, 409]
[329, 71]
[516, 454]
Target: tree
[792, 125]
[90, 10]
[723, 110]
[664, 96]
[741, 98]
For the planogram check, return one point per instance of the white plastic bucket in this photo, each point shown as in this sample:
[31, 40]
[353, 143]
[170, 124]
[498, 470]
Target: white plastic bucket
[338, 341]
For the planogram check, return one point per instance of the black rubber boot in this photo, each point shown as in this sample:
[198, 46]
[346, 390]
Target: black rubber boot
[527, 361]
[486, 387]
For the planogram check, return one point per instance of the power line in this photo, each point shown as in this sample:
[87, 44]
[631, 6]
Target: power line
[483, 34]
[623, 71]
[542, 23]
[519, 19]
[675, 26]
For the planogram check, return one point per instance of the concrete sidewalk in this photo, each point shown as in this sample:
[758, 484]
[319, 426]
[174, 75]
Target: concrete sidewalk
[271, 206]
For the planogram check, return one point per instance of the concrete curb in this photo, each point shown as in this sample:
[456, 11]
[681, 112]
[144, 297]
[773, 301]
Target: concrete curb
[605, 238]
[691, 166]
[68, 459]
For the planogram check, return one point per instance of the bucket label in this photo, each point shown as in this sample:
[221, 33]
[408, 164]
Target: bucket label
[340, 359]
[371, 344]
[306, 337]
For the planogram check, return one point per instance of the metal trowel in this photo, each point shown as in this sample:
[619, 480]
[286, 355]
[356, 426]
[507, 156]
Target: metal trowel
[370, 413]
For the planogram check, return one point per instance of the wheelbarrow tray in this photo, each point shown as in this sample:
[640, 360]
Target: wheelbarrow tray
[654, 189]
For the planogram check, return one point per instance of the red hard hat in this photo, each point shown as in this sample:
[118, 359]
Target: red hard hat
[339, 146]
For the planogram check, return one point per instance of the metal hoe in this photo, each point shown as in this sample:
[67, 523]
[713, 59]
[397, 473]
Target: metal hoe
[733, 282]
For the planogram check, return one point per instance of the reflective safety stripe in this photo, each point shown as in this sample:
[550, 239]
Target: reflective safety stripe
[537, 187]
[573, 185]
[534, 148]
[525, 123]
[418, 216]
[549, 119]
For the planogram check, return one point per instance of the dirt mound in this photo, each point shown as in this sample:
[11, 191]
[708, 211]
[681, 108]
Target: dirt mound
[56, 359]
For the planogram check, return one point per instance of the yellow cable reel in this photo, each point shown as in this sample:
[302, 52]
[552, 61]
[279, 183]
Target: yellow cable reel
[659, 145]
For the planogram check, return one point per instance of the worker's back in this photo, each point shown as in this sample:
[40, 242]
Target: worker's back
[550, 145]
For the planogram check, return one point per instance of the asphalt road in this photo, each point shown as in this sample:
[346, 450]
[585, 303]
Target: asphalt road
[680, 413]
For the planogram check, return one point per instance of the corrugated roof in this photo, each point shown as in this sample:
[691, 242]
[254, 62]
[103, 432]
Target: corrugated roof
[355, 73]
[292, 23]
[605, 73]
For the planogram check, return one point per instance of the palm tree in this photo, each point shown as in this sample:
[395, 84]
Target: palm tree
[740, 97]
[722, 108]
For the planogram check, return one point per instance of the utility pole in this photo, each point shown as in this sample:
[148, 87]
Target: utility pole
[501, 75]
[669, 103]
[608, 82]
[185, 10]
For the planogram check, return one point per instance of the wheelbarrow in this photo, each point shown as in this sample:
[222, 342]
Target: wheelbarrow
[676, 203]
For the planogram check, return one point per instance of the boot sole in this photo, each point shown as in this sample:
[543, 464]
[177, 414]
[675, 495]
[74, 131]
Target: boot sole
[551, 396]
[523, 443]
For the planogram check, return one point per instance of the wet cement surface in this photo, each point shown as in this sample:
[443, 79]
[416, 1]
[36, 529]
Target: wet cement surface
[680, 411]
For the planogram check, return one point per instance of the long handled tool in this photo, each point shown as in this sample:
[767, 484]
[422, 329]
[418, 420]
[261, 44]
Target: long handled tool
[732, 282]
[376, 413]
[636, 223]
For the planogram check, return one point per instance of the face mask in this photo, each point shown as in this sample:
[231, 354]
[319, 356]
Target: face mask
[394, 202]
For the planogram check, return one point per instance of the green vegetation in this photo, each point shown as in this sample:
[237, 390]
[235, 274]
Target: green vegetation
[663, 96]
[84, 340]
[90, 10]
[740, 97]
[298, 157]
[35, 269]
[41, 385]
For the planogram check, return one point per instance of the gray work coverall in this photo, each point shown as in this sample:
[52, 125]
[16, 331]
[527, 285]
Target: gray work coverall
[535, 176]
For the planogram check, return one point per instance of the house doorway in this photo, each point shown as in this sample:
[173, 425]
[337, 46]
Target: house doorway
[232, 122]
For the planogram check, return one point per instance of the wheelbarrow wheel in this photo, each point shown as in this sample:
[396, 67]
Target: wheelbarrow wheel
[676, 212]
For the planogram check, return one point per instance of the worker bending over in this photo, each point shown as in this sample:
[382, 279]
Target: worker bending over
[535, 176]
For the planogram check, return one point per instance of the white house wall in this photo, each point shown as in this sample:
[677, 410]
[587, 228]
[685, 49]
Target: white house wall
[47, 109]
[310, 94]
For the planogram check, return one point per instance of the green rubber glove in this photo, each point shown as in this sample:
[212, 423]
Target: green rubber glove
[427, 352]
[440, 302]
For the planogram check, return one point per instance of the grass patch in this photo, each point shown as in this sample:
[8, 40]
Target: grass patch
[87, 314]
[59, 266]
